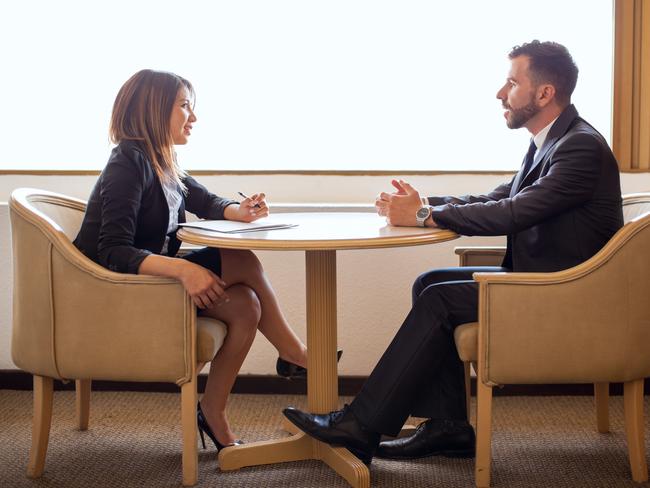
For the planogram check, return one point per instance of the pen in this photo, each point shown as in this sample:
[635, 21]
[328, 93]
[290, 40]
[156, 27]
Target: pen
[244, 196]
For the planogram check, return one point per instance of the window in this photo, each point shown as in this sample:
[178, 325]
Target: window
[292, 84]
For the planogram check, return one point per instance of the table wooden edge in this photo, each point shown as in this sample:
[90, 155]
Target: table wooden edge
[192, 237]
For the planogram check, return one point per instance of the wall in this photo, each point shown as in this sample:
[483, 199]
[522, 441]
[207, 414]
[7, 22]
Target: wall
[373, 286]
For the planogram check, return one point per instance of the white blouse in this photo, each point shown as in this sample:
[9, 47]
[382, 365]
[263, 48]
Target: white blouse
[174, 199]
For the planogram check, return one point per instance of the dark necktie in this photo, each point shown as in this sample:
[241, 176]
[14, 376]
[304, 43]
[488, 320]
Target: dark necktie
[528, 160]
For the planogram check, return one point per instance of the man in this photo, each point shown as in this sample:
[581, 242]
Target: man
[561, 207]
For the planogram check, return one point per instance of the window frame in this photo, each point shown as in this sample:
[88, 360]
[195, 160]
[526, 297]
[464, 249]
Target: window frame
[631, 92]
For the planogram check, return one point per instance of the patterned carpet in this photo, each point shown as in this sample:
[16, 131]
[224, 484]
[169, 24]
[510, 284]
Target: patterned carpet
[134, 440]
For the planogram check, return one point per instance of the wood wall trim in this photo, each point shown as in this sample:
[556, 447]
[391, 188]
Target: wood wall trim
[274, 385]
[203, 172]
[11, 172]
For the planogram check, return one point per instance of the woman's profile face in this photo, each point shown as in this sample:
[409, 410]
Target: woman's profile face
[182, 117]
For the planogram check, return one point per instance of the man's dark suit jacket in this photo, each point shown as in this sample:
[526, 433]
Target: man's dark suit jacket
[127, 214]
[557, 215]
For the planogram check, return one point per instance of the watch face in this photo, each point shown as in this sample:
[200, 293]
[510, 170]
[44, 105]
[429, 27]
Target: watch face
[423, 213]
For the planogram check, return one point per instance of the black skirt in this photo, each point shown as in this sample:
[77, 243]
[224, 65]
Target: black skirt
[208, 257]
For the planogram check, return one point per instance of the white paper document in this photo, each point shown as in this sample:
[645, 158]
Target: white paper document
[233, 227]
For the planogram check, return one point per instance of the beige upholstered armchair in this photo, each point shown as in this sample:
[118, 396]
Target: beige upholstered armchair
[74, 319]
[596, 331]
[466, 336]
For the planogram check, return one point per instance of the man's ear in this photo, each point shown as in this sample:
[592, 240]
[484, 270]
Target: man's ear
[545, 94]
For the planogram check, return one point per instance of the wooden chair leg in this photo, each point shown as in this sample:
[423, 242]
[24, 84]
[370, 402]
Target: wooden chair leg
[633, 404]
[189, 400]
[601, 397]
[483, 433]
[468, 388]
[43, 391]
[82, 402]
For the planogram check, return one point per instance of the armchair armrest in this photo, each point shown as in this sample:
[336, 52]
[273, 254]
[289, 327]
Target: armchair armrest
[480, 255]
[147, 322]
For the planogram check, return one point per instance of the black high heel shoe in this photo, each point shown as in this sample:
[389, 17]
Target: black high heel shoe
[292, 371]
[203, 426]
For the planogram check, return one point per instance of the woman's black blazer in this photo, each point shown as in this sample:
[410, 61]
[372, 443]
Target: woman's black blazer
[127, 214]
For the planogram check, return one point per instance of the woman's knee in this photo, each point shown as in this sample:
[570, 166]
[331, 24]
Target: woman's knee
[248, 307]
[245, 259]
[246, 262]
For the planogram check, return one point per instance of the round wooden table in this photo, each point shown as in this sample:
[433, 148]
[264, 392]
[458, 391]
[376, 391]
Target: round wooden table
[320, 235]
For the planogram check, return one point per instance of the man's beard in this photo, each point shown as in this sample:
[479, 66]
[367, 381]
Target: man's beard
[519, 116]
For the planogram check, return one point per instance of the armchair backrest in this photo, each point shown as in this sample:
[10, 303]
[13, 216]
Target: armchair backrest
[38, 219]
[65, 213]
[635, 204]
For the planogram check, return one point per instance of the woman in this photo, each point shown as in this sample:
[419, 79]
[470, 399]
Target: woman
[130, 226]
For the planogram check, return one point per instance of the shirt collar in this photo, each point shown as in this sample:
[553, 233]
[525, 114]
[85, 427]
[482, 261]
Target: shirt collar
[540, 137]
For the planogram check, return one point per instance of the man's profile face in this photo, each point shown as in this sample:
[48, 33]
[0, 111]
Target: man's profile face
[518, 94]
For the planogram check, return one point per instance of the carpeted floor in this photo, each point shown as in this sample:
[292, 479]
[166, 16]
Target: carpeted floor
[134, 440]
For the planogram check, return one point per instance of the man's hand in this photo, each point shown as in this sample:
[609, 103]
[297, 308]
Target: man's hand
[249, 210]
[382, 202]
[399, 207]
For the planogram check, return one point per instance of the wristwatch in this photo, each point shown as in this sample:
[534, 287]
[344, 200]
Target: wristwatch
[423, 214]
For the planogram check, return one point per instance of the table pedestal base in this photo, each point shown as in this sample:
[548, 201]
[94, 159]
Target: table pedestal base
[298, 447]
[322, 386]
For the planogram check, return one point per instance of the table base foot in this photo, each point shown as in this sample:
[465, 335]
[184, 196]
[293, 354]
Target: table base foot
[346, 464]
[295, 448]
[298, 447]
[289, 426]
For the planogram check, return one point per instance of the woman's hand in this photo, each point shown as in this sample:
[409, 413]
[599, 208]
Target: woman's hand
[204, 287]
[249, 210]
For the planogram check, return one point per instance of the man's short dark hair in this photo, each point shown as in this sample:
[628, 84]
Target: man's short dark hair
[550, 62]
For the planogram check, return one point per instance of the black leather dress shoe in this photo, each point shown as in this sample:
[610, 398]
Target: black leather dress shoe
[450, 438]
[339, 428]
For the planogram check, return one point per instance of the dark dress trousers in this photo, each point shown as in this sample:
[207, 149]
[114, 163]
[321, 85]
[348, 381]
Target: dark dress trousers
[127, 214]
[556, 215]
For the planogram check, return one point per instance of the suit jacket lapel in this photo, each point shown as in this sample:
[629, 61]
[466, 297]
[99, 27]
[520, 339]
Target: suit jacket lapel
[559, 128]
[515, 184]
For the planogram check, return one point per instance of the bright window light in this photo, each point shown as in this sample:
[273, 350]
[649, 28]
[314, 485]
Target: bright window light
[292, 84]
